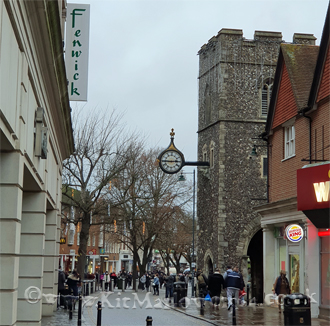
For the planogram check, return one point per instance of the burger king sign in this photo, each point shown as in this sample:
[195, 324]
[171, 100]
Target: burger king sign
[294, 232]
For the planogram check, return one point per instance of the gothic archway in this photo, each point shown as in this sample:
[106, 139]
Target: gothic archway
[255, 254]
[208, 262]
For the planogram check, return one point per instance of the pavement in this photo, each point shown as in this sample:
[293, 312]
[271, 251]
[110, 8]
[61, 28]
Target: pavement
[245, 315]
[191, 314]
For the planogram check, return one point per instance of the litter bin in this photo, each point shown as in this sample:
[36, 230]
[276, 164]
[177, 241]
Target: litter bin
[179, 292]
[297, 310]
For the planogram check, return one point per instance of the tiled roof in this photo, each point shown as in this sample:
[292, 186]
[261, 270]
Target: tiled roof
[300, 61]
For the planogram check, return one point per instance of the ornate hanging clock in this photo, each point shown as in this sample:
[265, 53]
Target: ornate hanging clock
[171, 160]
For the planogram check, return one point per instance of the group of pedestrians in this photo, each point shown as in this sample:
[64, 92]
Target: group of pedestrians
[68, 284]
[106, 278]
[152, 279]
[232, 281]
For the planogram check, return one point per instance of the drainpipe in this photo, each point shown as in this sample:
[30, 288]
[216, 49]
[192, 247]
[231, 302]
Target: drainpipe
[265, 138]
[310, 133]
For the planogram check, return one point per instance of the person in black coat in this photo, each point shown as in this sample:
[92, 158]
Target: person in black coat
[216, 283]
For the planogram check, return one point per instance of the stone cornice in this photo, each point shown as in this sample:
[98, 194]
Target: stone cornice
[279, 212]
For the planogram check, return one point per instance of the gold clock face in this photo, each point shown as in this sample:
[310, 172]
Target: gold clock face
[171, 162]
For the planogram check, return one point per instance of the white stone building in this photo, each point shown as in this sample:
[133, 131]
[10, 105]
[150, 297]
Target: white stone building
[35, 137]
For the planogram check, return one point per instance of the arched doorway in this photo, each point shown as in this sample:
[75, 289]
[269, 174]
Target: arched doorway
[255, 253]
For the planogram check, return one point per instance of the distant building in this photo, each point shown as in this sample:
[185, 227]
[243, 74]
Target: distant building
[236, 78]
[35, 137]
[106, 250]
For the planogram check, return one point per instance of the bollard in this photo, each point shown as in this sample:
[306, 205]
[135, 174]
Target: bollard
[149, 321]
[99, 312]
[247, 294]
[234, 312]
[112, 285]
[79, 310]
[70, 307]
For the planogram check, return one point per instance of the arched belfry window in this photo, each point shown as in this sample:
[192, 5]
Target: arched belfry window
[266, 92]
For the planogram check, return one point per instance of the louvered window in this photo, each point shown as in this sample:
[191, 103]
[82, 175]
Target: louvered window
[266, 93]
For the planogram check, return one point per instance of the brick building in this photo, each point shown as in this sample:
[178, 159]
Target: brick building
[105, 250]
[298, 133]
[236, 77]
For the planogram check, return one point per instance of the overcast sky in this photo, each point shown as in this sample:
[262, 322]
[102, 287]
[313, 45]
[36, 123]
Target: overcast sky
[143, 55]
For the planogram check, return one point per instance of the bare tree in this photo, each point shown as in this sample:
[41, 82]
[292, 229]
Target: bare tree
[146, 198]
[102, 150]
[175, 241]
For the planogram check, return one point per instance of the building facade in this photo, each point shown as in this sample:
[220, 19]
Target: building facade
[36, 136]
[298, 134]
[236, 78]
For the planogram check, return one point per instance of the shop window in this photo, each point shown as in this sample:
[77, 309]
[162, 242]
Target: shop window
[294, 262]
[325, 271]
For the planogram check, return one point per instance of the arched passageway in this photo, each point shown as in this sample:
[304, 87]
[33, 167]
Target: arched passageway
[255, 253]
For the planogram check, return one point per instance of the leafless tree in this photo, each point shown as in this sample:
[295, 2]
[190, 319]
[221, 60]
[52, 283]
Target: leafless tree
[102, 149]
[147, 198]
[175, 241]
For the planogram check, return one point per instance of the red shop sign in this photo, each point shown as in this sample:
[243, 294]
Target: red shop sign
[313, 187]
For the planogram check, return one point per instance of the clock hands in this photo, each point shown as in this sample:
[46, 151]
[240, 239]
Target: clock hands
[171, 161]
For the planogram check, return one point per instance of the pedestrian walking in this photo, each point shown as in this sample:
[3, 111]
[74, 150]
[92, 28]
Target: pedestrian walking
[143, 280]
[202, 283]
[281, 288]
[169, 285]
[147, 282]
[216, 283]
[73, 280]
[106, 281]
[161, 280]
[61, 288]
[232, 285]
[156, 285]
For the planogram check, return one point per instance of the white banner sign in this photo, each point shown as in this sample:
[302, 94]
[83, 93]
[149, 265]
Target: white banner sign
[76, 50]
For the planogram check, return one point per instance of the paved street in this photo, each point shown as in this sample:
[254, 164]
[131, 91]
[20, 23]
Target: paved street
[131, 315]
[126, 311]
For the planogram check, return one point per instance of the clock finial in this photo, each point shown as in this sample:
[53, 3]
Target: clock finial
[172, 133]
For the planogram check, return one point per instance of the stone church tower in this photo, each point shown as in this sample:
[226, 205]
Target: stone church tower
[235, 82]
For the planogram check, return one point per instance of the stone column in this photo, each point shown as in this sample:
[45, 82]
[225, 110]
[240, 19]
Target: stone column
[269, 244]
[11, 181]
[31, 260]
[51, 260]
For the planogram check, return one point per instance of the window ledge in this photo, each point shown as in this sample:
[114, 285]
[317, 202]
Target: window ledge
[287, 158]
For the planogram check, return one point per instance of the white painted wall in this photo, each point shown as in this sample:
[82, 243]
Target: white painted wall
[312, 268]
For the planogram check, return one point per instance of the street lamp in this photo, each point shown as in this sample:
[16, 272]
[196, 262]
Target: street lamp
[182, 178]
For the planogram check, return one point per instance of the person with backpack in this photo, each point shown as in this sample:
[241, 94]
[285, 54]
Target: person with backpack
[169, 285]
[202, 283]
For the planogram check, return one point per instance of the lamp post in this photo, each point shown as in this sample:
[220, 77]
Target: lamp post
[182, 178]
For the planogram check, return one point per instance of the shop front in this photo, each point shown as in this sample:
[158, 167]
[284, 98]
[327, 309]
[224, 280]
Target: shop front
[313, 199]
